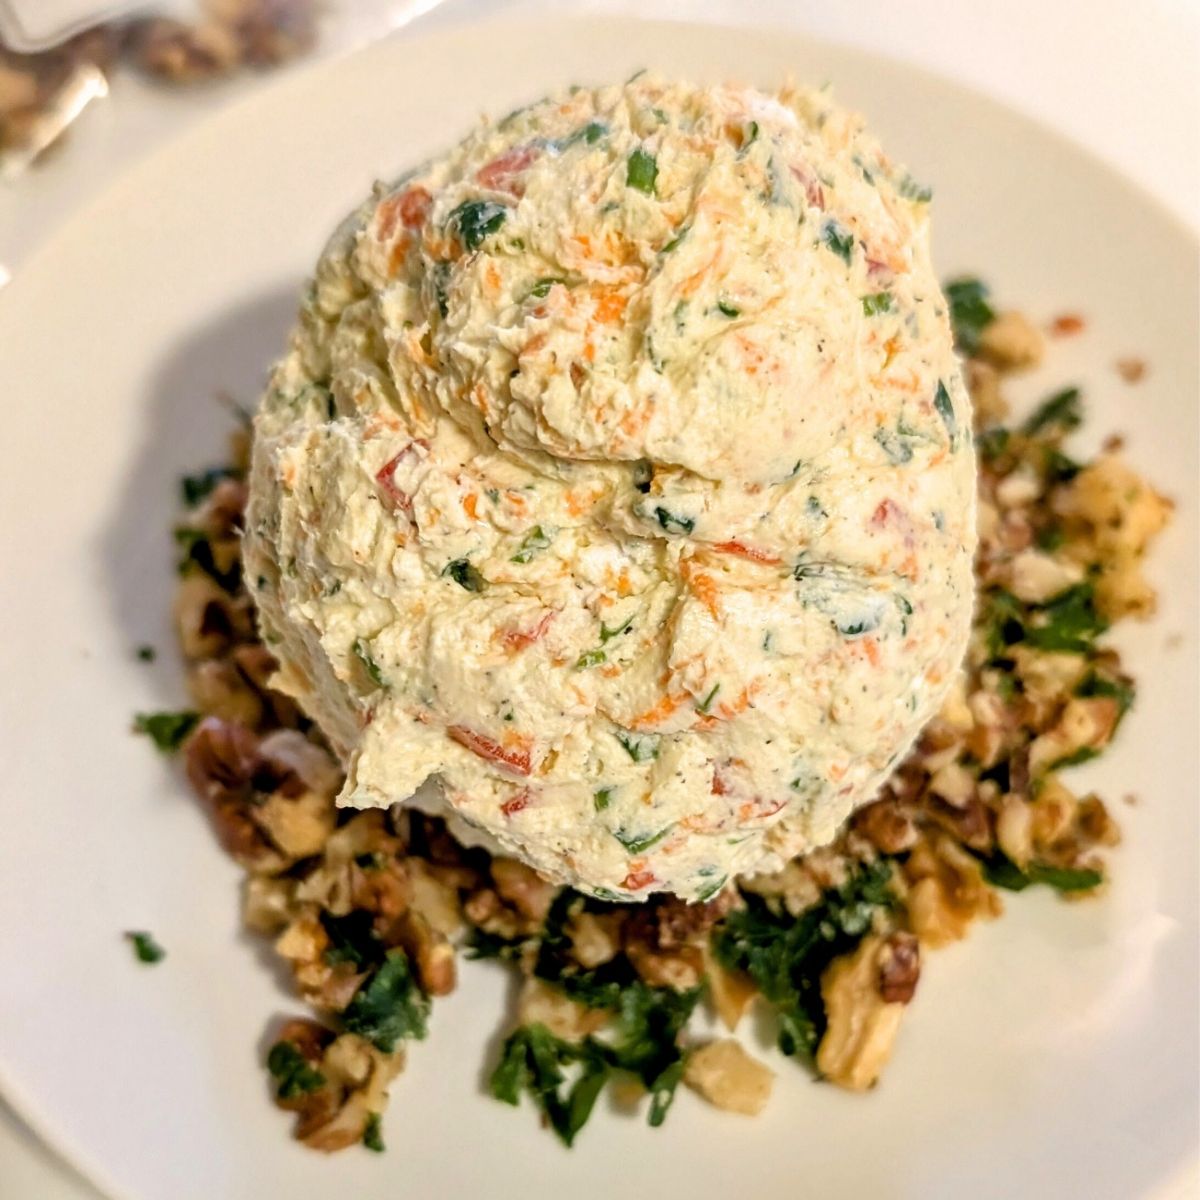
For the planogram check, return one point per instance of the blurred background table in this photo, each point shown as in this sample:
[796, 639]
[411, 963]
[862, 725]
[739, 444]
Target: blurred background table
[1119, 78]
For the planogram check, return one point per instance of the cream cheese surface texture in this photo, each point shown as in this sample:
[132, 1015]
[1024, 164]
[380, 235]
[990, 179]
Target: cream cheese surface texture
[619, 479]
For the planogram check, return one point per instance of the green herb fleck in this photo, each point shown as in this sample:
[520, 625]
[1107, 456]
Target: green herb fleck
[602, 799]
[1067, 622]
[534, 541]
[1059, 467]
[166, 729]
[641, 171]
[838, 239]
[728, 310]
[970, 312]
[1121, 689]
[672, 523]
[639, 746]
[362, 651]
[541, 289]
[292, 1071]
[1061, 413]
[673, 244]
[607, 633]
[146, 653]
[477, 220]
[389, 1006]
[945, 407]
[856, 626]
[145, 948]
[786, 955]
[200, 486]
[1001, 872]
[712, 889]
[993, 443]
[636, 844]
[352, 938]
[880, 302]
[465, 575]
[532, 1060]
[590, 658]
[706, 704]
[910, 189]
[372, 1137]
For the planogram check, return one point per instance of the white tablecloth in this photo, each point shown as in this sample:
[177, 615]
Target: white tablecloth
[1120, 78]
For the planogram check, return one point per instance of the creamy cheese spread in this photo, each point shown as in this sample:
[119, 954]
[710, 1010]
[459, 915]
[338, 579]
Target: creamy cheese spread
[620, 480]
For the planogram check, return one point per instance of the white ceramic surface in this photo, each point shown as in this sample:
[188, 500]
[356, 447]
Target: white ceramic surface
[1054, 1053]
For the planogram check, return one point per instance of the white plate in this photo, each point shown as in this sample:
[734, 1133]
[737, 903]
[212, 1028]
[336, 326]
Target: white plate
[1052, 1054]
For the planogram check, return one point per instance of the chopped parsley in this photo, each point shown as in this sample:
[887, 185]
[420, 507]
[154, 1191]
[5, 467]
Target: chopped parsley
[672, 523]
[838, 238]
[673, 244]
[465, 575]
[858, 625]
[945, 407]
[1061, 413]
[880, 302]
[786, 955]
[607, 633]
[993, 443]
[195, 488]
[644, 1043]
[293, 1074]
[362, 651]
[1001, 872]
[898, 444]
[533, 541]
[541, 289]
[602, 799]
[532, 1060]
[639, 746]
[910, 189]
[372, 1137]
[706, 704]
[590, 658]
[352, 938]
[636, 844]
[145, 948]
[641, 171]
[389, 1006]
[167, 730]
[970, 312]
[1067, 622]
[1121, 689]
[477, 220]
[728, 310]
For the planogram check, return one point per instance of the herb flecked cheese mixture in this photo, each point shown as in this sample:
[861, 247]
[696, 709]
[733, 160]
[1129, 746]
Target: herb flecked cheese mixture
[620, 481]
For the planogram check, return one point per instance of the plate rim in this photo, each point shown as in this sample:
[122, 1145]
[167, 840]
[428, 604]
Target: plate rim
[29, 1117]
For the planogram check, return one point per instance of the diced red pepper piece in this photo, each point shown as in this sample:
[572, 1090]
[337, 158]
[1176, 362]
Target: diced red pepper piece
[503, 174]
[518, 639]
[519, 801]
[636, 880]
[384, 476]
[751, 552]
[516, 756]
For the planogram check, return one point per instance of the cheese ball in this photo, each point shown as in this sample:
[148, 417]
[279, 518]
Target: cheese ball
[619, 482]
